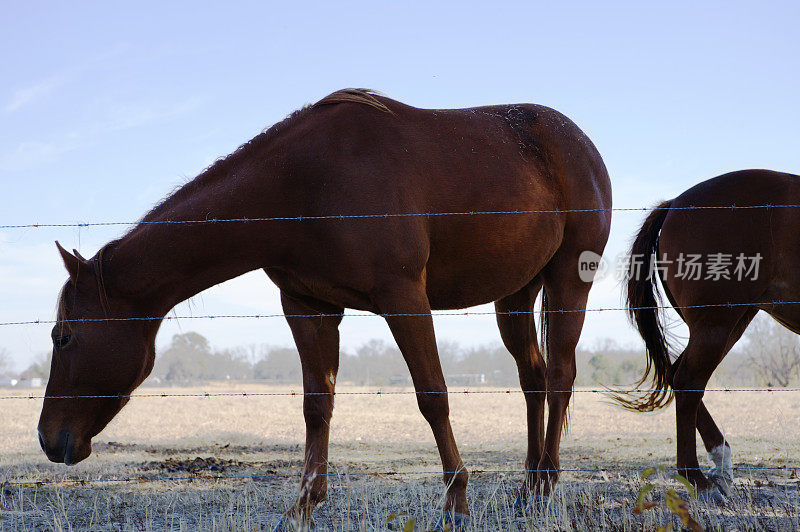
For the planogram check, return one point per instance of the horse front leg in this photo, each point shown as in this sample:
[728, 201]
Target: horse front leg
[316, 335]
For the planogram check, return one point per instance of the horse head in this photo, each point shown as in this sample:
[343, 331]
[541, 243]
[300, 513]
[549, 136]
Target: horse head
[99, 358]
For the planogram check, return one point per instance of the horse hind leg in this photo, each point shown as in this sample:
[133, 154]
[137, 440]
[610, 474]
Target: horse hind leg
[689, 375]
[718, 448]
[566, 295]
[407, 309]
[716, 445]
[516, 322]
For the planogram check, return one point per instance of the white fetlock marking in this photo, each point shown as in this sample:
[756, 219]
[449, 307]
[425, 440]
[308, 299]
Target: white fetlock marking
[722, 456]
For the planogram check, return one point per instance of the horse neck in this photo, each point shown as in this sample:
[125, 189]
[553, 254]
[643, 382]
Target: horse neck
[160, 264]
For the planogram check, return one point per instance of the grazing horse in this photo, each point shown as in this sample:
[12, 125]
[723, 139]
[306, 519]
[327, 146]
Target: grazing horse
[750, 254]
[469, 197]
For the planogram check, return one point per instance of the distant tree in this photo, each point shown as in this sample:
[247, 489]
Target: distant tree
[233, 364]
[262, 370]
[493, 361]
[189, 357]
[280, 364]
[254, 352]
[374, 363]
[607, 346]
[184, 359]
[773, 352]
[451, 356]
[190, 342]
[629, 371]
[602, 369]
[608, 363]
[39, 368]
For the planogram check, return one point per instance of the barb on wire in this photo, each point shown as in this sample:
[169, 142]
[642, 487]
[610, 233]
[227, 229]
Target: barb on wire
[394, 315]
[264, 476]
[390, 215]
[380, 392]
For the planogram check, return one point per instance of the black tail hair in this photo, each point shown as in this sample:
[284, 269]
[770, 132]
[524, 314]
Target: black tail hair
[644, 303]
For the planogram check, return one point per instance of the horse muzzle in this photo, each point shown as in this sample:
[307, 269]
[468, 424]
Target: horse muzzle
[63, 448]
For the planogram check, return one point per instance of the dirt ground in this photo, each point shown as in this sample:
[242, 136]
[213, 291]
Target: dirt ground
[232, 463]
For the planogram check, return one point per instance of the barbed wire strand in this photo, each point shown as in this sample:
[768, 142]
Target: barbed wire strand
[259, 476]
[391, 215]
[394, 315]
[390, 392]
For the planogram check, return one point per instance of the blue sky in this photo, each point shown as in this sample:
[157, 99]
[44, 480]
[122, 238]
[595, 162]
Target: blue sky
[104, 109]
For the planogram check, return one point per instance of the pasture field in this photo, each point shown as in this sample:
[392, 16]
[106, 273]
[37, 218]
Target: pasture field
[256, 443]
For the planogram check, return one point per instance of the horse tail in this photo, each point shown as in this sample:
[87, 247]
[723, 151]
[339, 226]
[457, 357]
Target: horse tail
[544, 342]
[544, 325]
[644, 303]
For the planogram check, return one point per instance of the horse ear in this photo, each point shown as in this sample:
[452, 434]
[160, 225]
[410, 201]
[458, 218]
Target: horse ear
[75, 252]
[72, 263]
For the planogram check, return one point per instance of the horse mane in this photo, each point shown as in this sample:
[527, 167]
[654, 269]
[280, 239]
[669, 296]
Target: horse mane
[362, 96]
[217, 168]
[97, 266]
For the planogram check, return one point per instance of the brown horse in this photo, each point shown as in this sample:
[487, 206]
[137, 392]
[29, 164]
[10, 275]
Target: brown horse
[750, 254]
[355, 153]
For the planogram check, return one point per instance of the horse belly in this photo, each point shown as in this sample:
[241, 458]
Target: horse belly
[490, 259]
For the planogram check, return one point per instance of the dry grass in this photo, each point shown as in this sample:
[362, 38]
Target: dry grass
[236, 436]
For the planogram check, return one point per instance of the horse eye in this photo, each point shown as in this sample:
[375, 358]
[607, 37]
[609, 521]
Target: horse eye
[62, 341]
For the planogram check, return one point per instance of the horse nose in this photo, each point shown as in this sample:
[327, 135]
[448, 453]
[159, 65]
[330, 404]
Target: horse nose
[62, 449]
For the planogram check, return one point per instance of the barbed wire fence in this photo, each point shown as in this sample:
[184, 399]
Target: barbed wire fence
[384, 392]
[794, 468]
[301, 218]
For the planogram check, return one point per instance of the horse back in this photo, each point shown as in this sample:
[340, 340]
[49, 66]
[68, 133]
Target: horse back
[523, 164]
[761, 232]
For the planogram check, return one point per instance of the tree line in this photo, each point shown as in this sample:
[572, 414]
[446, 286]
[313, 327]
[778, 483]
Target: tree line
[769, 355]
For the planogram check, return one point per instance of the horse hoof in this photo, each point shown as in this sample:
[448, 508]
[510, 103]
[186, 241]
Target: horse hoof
[452, 521]
[723, 481]
[712, 496]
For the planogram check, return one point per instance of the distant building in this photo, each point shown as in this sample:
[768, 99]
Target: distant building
[33, 382]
